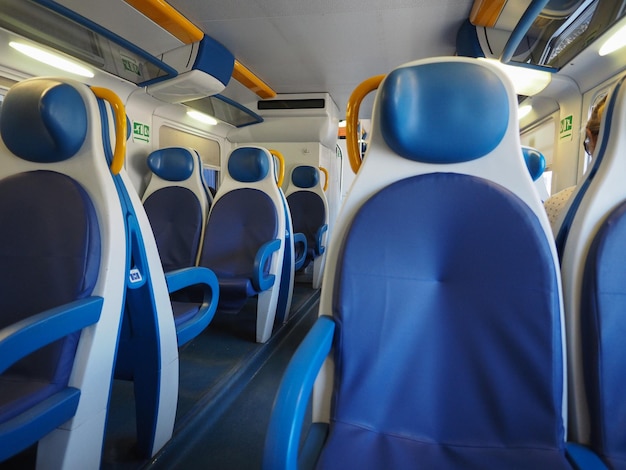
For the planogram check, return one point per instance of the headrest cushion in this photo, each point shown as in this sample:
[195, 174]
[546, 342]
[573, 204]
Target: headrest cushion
[43, 120]
[443, 112]
[535, 162]
[172, 163]
[305, 176]
[248, 164]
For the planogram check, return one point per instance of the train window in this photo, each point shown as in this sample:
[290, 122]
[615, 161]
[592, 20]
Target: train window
[541, 137]
[208, 149]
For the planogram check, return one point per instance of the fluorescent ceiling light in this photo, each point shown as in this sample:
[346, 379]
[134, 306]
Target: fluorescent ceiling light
[526, 81]
[615, 42]
[523, 111]
[51, 59]
[203, 118]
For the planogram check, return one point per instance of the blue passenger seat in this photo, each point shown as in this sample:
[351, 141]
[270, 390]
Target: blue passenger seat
[245, 235]
[309, 212]
[441, 303]
[594, 269]
[61, 274]
[177, 204]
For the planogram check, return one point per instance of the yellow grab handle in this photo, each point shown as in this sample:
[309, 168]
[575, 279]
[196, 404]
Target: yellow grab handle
[325, 171]
[281, 166]
[120, 126]
[352, 119]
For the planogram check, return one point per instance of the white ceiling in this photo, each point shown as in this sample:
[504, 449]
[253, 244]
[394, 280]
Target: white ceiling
[326, 45]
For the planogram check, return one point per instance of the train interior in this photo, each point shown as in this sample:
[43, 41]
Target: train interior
[226, 103]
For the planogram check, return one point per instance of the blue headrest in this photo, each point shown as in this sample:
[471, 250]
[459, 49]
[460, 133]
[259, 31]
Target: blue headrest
[248, 164]
[429, 119]
[172, 163]
[535, 162]
[43, 121]
[305, 176]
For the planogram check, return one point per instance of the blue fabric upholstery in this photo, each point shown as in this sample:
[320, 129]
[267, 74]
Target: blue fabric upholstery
[457, 383]
[176, 219]
[308, 215]
[241, 221]
[54, 248]
[411, 126]
[603, 304]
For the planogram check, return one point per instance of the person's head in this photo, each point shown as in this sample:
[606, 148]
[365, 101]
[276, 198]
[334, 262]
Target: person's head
[592, 129]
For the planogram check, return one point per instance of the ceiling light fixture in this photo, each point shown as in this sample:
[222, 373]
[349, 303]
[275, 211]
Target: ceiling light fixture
[51, 59]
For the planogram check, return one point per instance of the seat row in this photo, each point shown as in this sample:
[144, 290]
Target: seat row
[88, 291]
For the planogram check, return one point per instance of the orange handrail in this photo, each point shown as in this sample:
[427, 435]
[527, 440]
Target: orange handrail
[120, 126]
[325, 171]
[352, 118]
[281, 166]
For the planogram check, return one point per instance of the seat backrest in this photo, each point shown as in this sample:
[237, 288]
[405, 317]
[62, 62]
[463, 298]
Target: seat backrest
[61, 232]
[442, 280]
[593, 274]
[177, 204]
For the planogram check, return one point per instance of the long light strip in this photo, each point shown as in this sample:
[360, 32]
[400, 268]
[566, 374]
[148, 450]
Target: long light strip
[51, 59]
[615, 42]
[203, 118]
[526, 81]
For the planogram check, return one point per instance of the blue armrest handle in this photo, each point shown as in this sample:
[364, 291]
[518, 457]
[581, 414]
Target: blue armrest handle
[290, 405]
[300, 238]
[24, 337]
[260, 281]
[320, 248]
[207, 281]
[583, 458]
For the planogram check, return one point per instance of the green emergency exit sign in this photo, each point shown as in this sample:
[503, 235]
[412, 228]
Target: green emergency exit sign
[567, 126]
[141, 132]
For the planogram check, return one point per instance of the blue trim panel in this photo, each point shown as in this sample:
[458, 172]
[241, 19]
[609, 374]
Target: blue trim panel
[214, 59]
[260, 281]
[170, 71]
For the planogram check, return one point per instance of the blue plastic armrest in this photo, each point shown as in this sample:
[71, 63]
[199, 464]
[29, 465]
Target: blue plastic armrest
[260, 281]
[320, 248]
[300, 238]
[26, 336]
[207, 281]
[291, 403]
[583, 458]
